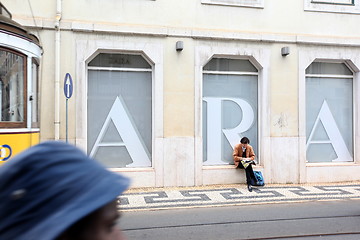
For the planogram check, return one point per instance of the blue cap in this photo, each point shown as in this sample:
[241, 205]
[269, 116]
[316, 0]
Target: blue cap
[49, 187]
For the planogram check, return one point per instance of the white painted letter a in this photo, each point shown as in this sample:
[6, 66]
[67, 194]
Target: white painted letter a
[128, 132]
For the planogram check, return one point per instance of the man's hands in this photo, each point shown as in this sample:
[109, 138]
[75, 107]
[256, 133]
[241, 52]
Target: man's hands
[249, 160]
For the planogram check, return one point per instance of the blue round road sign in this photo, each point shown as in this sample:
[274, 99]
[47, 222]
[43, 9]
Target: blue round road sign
[68, 86]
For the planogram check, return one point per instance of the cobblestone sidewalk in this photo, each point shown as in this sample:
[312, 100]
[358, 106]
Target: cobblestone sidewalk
[222, 195]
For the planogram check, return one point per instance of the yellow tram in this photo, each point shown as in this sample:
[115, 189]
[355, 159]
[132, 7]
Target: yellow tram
[20, 54]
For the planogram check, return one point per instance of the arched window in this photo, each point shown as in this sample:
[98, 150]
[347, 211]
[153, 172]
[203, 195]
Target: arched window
[13, 95]
[119, 112]
[329, 112]
[230, 107]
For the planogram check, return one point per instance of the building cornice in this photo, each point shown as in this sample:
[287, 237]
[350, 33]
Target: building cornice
[195, 33]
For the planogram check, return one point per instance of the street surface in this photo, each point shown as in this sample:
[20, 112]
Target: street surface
[339, 219]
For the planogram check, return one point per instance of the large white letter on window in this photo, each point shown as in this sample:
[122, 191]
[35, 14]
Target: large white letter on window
[128, 132]
[214, 130]
[333, 132]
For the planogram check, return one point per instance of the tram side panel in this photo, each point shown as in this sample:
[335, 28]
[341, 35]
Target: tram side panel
[14, 143]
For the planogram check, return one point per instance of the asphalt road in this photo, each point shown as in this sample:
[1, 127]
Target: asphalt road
[308, 220]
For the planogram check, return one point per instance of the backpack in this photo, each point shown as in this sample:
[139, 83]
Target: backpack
[259, 178]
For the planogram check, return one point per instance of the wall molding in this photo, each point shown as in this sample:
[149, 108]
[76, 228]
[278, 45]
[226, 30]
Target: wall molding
[199, 34]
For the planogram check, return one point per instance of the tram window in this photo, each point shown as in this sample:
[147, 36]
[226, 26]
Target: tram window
[13, 89]
[35, 95]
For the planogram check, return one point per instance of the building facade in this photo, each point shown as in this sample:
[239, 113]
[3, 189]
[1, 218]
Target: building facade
[164, 89]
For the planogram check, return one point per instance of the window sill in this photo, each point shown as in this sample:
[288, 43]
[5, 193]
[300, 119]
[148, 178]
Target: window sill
[132, 169]
[230, 166]
[216, 167]
[332, 164]
[237, 3]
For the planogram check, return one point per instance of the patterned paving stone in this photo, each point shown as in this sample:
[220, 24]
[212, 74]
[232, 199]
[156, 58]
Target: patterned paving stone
[165, 198]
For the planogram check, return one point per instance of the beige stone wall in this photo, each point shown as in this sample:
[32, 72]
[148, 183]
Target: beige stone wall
[205, 29]
[179, 88]
[282, 19]
[284, 92]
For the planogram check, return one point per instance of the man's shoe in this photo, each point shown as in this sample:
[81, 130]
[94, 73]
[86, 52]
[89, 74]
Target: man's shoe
[249, 188]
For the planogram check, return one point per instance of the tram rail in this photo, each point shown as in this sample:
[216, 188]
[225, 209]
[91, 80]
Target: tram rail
[261, 222]
[302, 236]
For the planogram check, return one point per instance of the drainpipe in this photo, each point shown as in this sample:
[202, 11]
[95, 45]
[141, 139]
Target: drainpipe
[57, 69]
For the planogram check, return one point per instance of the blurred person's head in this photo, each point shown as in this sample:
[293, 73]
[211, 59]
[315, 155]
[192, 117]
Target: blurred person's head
[54, 191]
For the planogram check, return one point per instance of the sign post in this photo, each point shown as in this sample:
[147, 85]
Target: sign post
[68, 91]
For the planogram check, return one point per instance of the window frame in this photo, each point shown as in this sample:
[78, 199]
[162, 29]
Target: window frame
[124, 69]
[22, 124]
[325, 76]
[260, 57]
[316, 172]
[235, 73]
[332, 7]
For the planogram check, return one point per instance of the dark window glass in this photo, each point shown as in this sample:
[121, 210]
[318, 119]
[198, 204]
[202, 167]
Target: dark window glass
[12, 89]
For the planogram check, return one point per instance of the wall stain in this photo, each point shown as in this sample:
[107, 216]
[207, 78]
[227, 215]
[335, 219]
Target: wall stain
[281, 122]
